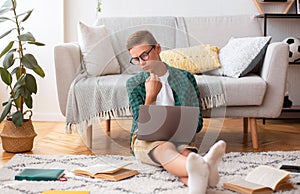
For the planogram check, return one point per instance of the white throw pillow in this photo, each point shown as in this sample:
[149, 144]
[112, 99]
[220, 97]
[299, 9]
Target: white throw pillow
[97, 51]
[240, 56]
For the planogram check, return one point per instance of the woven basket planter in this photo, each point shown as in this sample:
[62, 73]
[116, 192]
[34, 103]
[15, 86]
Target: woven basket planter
[17, 139]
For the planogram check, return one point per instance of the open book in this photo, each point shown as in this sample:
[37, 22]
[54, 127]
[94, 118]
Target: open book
[113, 172]
[263, 179]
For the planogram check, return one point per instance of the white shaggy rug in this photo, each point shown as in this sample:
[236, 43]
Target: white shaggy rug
[150, 180]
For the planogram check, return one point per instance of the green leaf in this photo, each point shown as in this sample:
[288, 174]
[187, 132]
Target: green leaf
[38, 70]
[18, 72]
[24, 92]
[8, 60]
[17, 89]
[17, 118]
[6, 33]
[6, 110]
[28, 102]
[4, 10]
[26, 37]
[5, 76]
[37, 43]
[31, 83]
[17, 95]
[15, 70]
[21, 81]
[5, 103]
[4, 19]
[21, 91]
[28, 13]
[29, 61]
[7, 48]
[18, 102]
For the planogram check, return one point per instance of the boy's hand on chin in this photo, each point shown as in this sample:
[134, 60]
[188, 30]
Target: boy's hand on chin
[152, 86]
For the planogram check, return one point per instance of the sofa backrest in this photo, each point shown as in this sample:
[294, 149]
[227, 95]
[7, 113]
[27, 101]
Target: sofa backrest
[217, 30]
[177, 32]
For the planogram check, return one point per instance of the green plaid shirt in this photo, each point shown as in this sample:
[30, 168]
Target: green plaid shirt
[182, 83]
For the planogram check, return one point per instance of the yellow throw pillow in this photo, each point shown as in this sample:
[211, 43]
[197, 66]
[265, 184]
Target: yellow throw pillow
[196, 59]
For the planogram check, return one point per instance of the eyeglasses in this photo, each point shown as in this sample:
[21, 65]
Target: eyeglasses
[144, 56]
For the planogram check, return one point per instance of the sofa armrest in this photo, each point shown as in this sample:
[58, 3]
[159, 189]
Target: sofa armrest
[274, 72]
[67, 58]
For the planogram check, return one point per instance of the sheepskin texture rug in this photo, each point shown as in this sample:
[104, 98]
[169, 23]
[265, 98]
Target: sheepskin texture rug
[150, 179]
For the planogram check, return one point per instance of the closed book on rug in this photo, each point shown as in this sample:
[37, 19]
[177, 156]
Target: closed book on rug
[113, 172]
[263, 179]
[37, 174]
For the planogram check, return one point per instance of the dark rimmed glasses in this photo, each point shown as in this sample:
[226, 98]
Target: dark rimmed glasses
[144, 56]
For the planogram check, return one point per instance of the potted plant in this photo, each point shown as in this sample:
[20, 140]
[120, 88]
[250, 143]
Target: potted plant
[17, 73]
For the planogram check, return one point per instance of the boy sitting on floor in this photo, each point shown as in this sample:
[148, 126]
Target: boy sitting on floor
[160, 84]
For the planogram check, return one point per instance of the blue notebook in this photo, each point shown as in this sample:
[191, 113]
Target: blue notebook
[36, 174]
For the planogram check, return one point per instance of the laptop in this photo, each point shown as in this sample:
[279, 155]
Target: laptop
[167, 123]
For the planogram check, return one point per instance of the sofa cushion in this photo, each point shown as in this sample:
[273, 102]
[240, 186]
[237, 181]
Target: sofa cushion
[196, 59]
[98, 54]
[245, 91]
[240, 55]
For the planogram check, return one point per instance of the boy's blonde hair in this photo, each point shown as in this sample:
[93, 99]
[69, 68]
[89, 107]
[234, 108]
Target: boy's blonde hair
[140, 37]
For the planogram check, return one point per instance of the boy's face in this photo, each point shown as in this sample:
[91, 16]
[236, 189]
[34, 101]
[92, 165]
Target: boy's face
[145, 56]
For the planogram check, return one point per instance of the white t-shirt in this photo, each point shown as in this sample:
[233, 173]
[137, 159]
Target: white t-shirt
[165, 96]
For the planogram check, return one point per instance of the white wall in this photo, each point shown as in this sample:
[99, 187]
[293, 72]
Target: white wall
[48, 25]
[177, 7]
[55, 21]
[45, 24]
[74, 11]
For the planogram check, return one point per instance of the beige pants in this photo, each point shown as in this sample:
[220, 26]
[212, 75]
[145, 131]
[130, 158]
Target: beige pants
[142, 149]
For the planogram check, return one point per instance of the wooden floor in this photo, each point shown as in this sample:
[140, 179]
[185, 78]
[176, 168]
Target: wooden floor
[274, 135]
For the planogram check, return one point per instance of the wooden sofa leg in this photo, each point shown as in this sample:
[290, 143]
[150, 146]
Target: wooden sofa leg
[89, 137]
[107, 126]
[245, 122]
[253, 127]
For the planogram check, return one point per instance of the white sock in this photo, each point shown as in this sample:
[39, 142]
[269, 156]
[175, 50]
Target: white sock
[198, 172]
[213, 158]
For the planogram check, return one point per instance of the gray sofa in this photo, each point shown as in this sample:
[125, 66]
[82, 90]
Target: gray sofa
[256, 95]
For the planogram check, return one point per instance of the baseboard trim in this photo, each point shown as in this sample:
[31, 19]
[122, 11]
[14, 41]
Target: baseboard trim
[51, 117]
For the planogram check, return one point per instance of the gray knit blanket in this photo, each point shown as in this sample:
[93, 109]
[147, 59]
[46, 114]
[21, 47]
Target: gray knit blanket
[106, 97]
[100, 97]
[211, 91]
